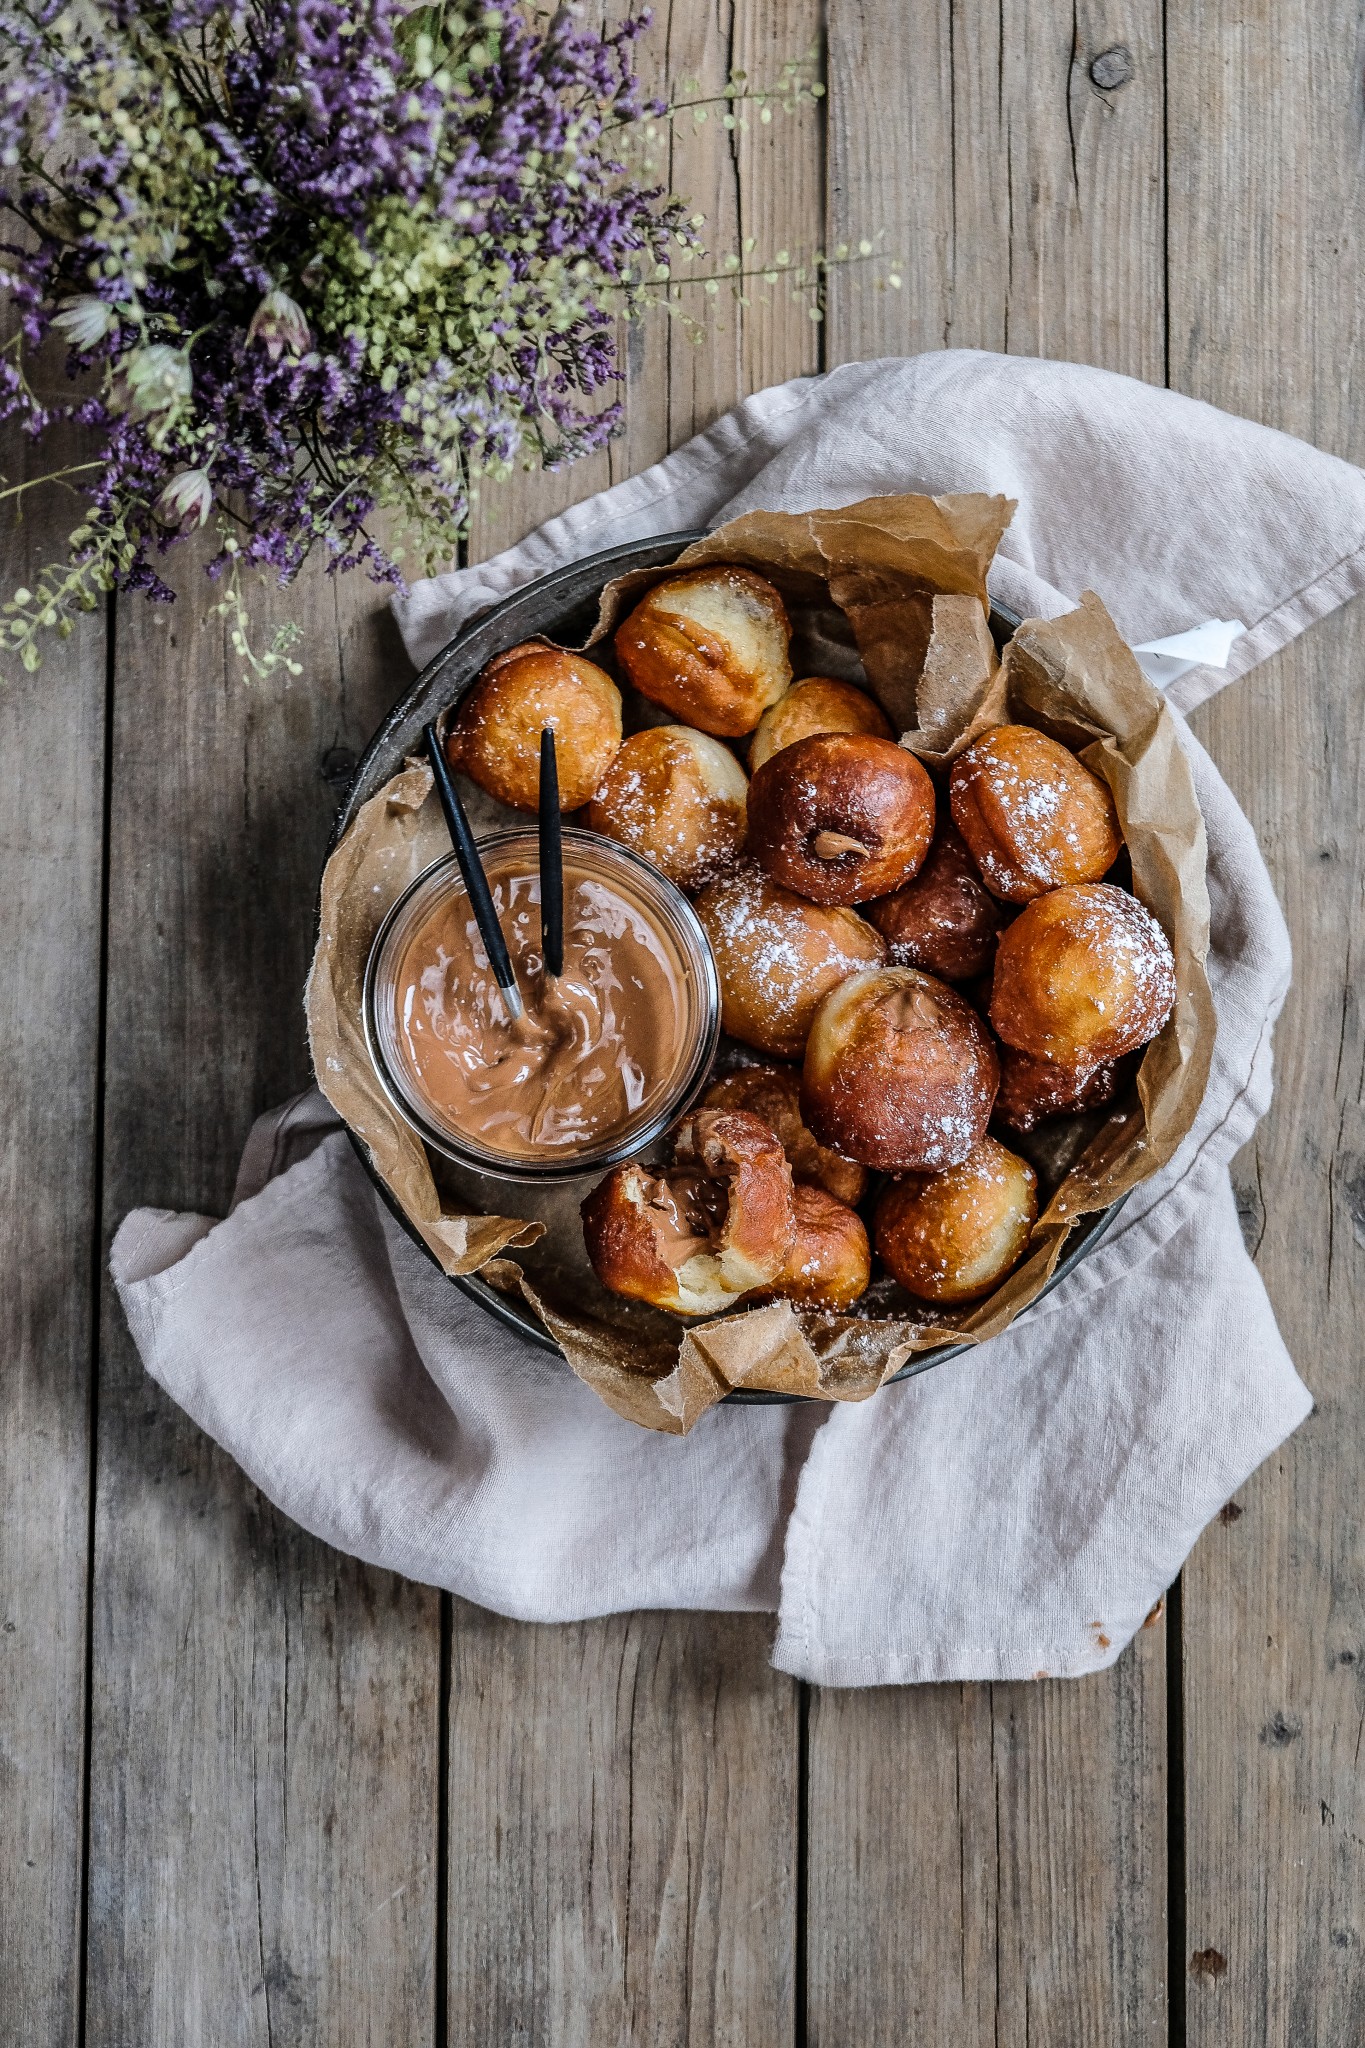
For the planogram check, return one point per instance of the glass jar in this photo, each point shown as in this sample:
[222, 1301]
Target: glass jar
[638, 973]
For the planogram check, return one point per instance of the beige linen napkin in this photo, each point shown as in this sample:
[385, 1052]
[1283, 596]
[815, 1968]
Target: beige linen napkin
[1013, 1512]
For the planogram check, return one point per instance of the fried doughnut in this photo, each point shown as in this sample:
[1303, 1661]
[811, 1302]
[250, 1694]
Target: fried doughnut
[945, 921]
[1082, 976]
[830, 1262]
[1032, 1090]
[678, 798]
[953, 1236]
[819, 704]
[900, 1072]
[1033, 816]
[710, 646]
[694, 1237]
[777, 956]
[495, 738]
[841, 817]
[774, 1093]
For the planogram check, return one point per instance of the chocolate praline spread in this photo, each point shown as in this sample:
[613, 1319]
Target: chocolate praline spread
[597, 1046]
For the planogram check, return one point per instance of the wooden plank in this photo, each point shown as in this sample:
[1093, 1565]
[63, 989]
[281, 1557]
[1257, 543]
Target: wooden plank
[51, 869]
[1022, 203]
[1267, 191]
[986, 1863]
[264, 1810]
[622, 1833]
[992, 1859]
[623, 1794]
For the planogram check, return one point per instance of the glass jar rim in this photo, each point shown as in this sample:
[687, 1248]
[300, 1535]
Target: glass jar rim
[666, 899]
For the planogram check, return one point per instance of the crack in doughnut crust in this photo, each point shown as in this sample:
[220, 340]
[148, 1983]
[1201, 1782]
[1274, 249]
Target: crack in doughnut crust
[710, 646]
[496, 735]
[830, 1262]
[946, 921]
[774, 1094]
[777, 956]
[841, 817]
[900, 1072]
[816, 704]
[955, 1235]
[1082, 976]
[676, 797]
[1034, 817]
[696, 1236]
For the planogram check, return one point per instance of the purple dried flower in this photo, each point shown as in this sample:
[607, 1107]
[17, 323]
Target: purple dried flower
[324, 258]
[186, 501]
[278, 324]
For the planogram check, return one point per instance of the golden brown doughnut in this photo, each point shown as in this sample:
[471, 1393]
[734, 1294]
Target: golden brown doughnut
[678, 798]
[710, 646]
[900, 1072]
[774, 1093]
[1033, 816]
[695, 1236]
[777, 956]
[841, 817]
[1082, 976]
[819, 704]
[953, 1236]
[946, 921]
[830, 1262]
[1032, 1090]
[495, 738]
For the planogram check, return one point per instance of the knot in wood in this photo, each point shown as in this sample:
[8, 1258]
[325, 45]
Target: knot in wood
[1112, 68]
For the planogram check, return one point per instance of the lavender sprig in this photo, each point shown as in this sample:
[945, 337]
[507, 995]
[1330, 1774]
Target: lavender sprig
[313, 260]
[320, 260]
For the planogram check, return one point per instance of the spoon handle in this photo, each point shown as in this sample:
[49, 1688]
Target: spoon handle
[475, 880]
[551, 858]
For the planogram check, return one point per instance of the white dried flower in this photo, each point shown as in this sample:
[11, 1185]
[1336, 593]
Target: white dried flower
[186, 501]
[150, 380]
[278, 322]
[84, 320]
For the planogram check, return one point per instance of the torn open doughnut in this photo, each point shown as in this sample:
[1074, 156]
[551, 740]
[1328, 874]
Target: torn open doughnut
[830, 1262]
[695, 1236]
[953, 1236]
[841, 817]
[946, 920]
[774, 1093]
[900, 1072]
[496, 735]
[710, 646]
[1082, 976]
[818, 704]
[1033, 816]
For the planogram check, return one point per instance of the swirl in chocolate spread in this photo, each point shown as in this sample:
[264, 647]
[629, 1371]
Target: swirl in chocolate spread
[595, 1046]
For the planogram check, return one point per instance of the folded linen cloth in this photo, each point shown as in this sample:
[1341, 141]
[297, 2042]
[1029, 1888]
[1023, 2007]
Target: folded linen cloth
[1013, 1512]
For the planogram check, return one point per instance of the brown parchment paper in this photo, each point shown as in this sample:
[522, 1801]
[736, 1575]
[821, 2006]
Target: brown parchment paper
[873, 571]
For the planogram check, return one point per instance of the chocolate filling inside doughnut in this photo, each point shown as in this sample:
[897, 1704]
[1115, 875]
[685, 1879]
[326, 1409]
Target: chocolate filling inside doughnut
[837, 846]
[911, 1009]
[691, 1211]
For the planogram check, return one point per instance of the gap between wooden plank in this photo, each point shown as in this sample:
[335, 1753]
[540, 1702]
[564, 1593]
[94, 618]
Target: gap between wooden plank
[96, 1287]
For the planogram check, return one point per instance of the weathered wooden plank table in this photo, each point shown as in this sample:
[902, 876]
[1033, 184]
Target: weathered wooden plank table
[254, 1792]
